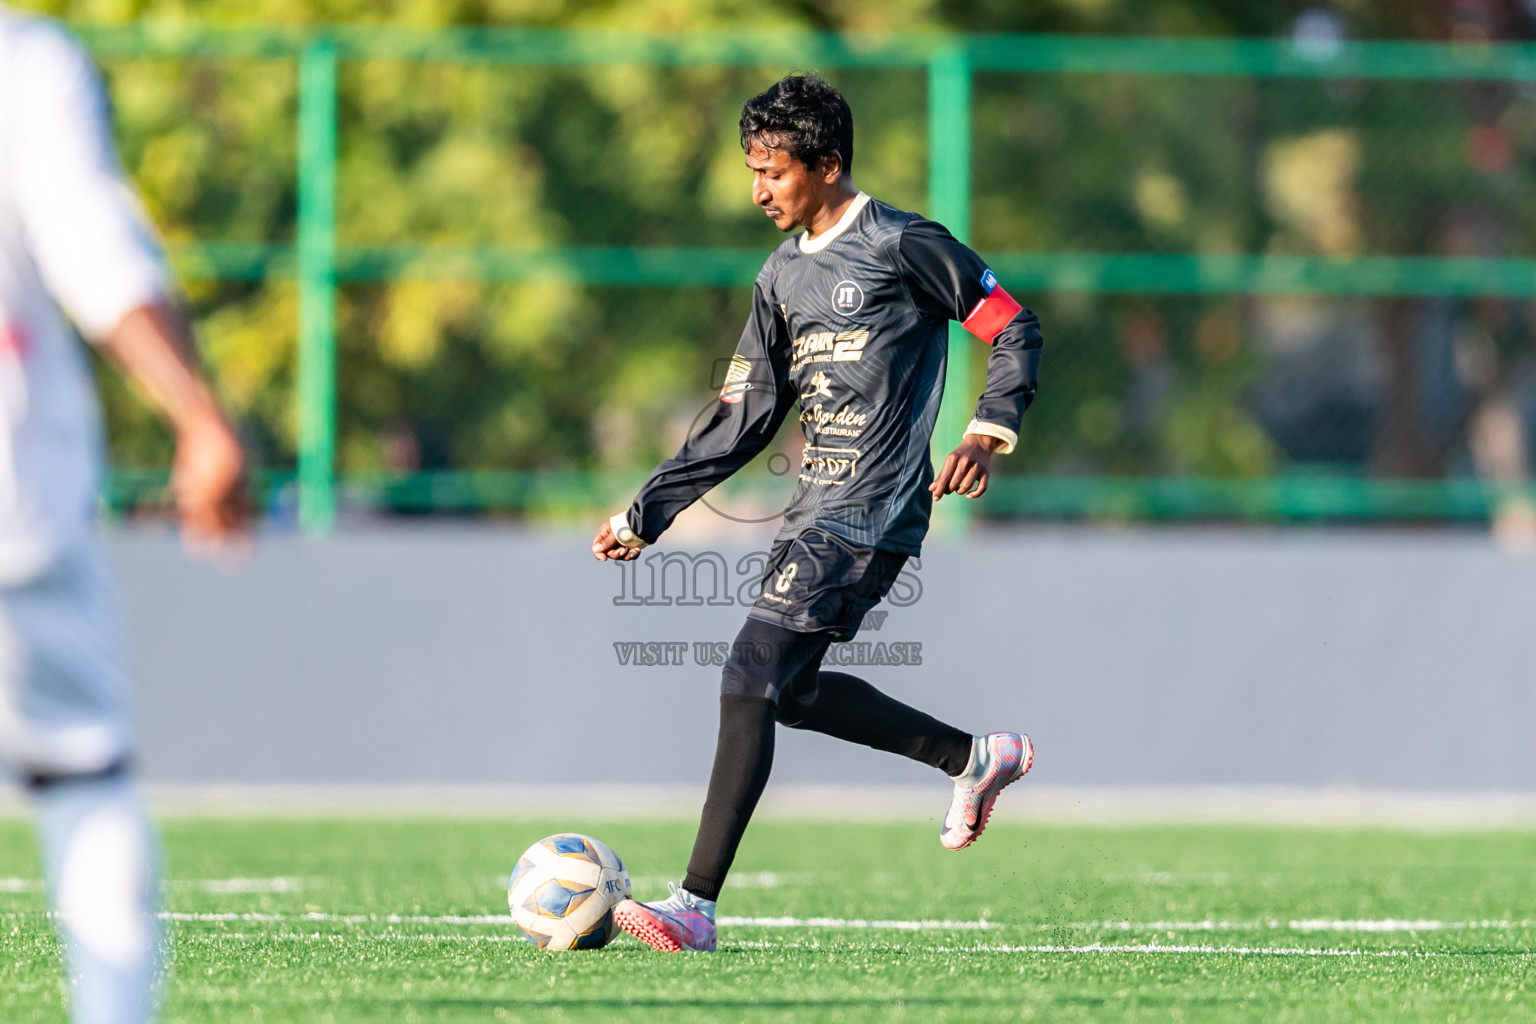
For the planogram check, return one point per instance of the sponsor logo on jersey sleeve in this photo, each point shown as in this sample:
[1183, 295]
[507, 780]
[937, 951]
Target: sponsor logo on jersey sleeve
[736, 383]
[993, 312]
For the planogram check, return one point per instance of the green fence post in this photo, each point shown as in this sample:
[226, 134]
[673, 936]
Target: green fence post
[317, 287]
[949, 203]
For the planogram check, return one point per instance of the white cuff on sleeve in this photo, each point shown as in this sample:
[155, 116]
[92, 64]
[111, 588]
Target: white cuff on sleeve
[623, 533]
[1003, 434]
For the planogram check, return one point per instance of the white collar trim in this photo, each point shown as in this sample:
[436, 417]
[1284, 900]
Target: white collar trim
[828, 236]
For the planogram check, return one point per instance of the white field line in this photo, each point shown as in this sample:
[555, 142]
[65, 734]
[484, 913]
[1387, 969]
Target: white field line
[217, 886]
[338, 937]
[1164, 926]
[855, 924]
[1098, 947]
[236, 886]
[1390, 925]
[1091, 949]
[770, 879]
[1315, 925]
[506, 920]
[745, 880]
[317, 918]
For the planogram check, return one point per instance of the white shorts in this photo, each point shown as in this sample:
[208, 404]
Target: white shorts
[64, 702]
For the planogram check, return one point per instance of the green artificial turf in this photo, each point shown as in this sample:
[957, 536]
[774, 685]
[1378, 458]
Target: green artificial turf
[1047, 892]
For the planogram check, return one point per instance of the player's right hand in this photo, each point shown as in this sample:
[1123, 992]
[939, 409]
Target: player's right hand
[606, 547]
[208, 480]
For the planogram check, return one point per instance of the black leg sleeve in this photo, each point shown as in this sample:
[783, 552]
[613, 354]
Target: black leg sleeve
[743, 759]
[850, 709]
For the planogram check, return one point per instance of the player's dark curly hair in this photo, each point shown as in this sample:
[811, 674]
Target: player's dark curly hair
[803, 116]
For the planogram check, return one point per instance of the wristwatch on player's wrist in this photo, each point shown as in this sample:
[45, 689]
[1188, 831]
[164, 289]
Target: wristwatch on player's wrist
[622, 532]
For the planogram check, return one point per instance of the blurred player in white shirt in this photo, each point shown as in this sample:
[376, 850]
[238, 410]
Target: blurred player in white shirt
[75, 243]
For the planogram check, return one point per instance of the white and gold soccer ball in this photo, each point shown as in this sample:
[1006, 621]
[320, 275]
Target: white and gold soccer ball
[563, 891]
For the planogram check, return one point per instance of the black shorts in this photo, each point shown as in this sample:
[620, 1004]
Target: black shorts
[820, 583]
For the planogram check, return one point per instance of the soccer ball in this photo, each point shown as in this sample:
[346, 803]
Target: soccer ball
[563, 891]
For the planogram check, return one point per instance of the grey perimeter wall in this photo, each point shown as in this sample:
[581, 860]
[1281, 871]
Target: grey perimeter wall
[481, 654]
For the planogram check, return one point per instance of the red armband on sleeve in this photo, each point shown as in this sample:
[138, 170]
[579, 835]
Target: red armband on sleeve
[992, 313]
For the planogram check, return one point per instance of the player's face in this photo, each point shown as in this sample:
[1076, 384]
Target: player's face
[783, 187]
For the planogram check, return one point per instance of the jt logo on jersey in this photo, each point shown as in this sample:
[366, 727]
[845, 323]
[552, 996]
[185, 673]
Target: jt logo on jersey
[847, 298]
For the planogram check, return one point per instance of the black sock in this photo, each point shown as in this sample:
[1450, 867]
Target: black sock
[850, 709]
[743, 759]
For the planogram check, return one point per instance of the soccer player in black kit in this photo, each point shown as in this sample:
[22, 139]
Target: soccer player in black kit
[850, 319]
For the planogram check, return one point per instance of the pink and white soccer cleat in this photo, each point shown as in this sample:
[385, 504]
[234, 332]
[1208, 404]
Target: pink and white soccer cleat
[996, 760]
[680, 922]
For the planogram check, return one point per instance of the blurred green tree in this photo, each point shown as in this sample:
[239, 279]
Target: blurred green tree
[467, 375]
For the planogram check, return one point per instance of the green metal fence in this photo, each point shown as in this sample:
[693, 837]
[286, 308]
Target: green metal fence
[951, 63]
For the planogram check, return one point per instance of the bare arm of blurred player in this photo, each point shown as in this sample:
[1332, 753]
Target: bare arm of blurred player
[98, 257]
[152, 346]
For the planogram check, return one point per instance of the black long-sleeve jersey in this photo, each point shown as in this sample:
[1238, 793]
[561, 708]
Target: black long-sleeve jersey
[854, 326]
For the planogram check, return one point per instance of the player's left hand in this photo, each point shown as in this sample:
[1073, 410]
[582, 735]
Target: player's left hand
[606, 547]
[967, 469]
